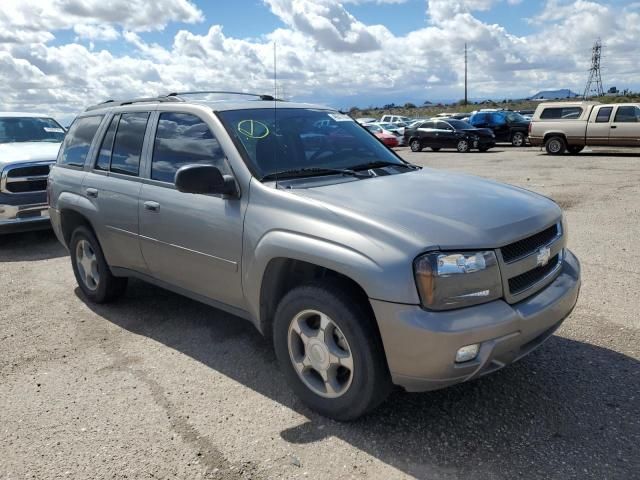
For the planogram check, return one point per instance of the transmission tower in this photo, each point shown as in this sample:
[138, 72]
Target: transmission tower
[594, 84]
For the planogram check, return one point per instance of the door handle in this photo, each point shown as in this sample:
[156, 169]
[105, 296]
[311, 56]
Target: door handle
[614, 126]
[152, 206]
[92, 192]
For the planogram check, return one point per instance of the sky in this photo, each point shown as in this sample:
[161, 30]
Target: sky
[59, 56]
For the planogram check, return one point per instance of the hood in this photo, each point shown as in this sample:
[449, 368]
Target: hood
[28, 152]
[435, 209]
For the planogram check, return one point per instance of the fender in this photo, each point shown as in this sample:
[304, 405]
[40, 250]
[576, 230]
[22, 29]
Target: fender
[296, 246]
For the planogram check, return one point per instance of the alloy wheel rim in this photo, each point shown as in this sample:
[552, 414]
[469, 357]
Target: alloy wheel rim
[320, 354]
[518, 140]
[463, 145]
[554, 146]
[415, 146]
[87, 264]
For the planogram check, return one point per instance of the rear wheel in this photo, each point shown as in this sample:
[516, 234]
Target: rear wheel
[415, 145]
[91, 270]
[575, 149]
[463, 145]
[435, 149]
[555, 145]
[518, 139]
[330, 351]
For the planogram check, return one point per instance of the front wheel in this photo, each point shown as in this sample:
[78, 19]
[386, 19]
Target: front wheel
[91, 270]
[555, 145]
[463, 146]
[415, 146]
[518, 139]
[330, 351]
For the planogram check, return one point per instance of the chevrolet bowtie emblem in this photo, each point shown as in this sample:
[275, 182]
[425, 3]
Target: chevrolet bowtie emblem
[544, 254]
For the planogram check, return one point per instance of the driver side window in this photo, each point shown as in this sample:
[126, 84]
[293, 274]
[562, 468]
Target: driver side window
[184, 139]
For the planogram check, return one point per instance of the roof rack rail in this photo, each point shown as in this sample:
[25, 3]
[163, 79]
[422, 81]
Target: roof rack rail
[117, 103]
[225, 92]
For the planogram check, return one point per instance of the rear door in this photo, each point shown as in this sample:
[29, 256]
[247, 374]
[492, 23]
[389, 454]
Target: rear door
[190, 241]
[625, 127]
[427, 134]
[113, 186]
[500, 127]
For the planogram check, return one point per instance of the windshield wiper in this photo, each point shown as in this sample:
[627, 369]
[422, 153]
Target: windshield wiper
[313, 171]
[381, 164]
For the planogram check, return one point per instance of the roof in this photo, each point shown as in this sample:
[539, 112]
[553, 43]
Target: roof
[24, 114]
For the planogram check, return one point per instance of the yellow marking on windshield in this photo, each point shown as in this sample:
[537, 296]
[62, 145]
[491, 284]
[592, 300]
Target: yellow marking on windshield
[253, 129]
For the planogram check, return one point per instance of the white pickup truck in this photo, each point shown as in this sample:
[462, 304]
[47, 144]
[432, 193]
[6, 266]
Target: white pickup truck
[570, 126]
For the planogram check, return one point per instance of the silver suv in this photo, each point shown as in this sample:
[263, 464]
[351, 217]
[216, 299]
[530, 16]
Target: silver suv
[364, 270]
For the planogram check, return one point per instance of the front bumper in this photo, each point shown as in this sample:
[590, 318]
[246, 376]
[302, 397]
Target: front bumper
[22, 218]
[421, 345]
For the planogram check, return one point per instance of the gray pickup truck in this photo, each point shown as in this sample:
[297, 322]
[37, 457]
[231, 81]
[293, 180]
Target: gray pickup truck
[364, 270]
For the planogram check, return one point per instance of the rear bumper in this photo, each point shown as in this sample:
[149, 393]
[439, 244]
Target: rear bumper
[421, 346]
[22, 218]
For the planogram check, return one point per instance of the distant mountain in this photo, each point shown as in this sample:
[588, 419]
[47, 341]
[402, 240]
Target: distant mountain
[554, 94]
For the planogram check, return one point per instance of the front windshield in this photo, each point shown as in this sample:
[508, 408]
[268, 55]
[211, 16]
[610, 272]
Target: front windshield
[459, 124]
[293, 138]
[516, 117]
[30, 129]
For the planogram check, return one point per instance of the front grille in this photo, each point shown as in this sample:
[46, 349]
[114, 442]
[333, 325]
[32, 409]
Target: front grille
[527, 246]
[525, 280]
[25, 178]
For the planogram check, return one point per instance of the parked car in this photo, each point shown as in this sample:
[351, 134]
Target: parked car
[395, 129]
[385, 136]
[448, 133]
[365, 270]
[29, 144]
[508, 126]
[570, 126]
[395, 119]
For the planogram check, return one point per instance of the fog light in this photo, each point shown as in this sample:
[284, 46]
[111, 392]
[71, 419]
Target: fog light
[467, 353]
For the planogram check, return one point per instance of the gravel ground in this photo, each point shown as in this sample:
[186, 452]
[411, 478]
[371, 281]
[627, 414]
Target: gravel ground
[159, 386]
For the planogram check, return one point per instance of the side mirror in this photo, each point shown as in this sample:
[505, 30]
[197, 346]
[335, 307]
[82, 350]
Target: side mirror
[205, 180]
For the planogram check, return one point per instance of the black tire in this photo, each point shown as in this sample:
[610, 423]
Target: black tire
[370, 382]
[435, 149]
[463, 145]
[518, 139]
[555, 145]
[108, 287]
[415, 145]
[575, 149]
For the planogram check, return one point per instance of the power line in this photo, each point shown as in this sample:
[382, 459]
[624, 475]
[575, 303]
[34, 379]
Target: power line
[465, 74]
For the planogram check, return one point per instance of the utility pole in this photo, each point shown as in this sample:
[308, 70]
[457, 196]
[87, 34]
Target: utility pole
[465, 74]
[594, 83]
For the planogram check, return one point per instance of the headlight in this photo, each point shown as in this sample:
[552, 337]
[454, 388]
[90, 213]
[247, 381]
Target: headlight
[455, 280]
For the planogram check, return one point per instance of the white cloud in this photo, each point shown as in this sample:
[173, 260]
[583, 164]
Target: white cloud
[324, 52]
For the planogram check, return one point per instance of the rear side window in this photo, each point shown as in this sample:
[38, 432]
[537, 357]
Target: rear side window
[565, 113]
[184, 139]
[479, 118]
[498, 119]
[104, 156]
[628, 114]
[604, 114]
[78, 141]
[127, 144]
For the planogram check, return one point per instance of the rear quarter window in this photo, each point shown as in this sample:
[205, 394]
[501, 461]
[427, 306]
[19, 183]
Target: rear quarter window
[78, 141]
[561, 113]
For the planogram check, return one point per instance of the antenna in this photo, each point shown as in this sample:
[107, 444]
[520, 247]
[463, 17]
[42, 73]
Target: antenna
[594, 83]
[465, 75]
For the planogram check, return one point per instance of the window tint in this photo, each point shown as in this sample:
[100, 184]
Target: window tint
[565, 113]
[479, 118]
[30, 129]
[498, 119]
[628, 114]
[104, 157]
[428, 125]
[127, 146]
[442, 126]
[78, 141]
[604, 114]
[184, 139]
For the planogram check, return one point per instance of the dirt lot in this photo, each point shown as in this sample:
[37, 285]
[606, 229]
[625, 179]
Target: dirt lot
[158, 386]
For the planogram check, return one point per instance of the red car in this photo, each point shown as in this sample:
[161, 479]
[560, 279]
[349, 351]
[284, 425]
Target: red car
[388, 138]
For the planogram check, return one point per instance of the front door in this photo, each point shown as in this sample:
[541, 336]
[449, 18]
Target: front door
[190, 241]
[625, 128]
[446, 135]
